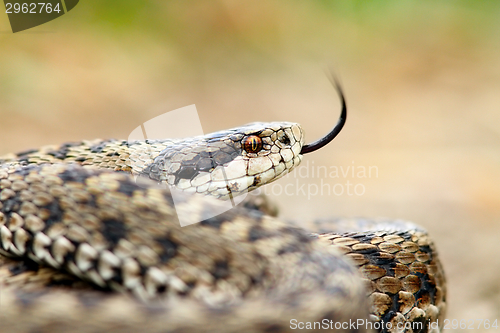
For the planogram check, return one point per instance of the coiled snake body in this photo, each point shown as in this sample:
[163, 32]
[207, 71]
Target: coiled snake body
[86, 247]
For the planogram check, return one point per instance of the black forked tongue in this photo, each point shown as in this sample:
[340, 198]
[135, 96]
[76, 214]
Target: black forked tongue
[336, 130]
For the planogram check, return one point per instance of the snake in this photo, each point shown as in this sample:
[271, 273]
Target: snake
[152, 236]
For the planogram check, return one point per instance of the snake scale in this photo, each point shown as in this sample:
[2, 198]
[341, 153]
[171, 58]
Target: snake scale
[91, 241]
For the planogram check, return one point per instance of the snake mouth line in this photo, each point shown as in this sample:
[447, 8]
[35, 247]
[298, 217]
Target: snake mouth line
[336, 130]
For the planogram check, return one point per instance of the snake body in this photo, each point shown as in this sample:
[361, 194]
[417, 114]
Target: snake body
[91, 240]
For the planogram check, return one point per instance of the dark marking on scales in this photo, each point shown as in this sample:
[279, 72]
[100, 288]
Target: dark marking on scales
[190, 166]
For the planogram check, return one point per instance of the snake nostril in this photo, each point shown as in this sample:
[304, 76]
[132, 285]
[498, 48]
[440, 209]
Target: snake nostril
[285, 139]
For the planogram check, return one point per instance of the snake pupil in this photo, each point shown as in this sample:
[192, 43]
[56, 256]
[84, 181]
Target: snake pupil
[252, 144]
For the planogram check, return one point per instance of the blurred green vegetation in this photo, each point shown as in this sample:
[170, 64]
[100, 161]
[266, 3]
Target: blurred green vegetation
[190, 40]
[206, 22]
[200, 32]
[193, 42]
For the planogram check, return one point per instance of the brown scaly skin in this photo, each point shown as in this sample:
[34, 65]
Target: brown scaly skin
[239, 271]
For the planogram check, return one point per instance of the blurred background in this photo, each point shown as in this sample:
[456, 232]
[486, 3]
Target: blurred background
[421, 78]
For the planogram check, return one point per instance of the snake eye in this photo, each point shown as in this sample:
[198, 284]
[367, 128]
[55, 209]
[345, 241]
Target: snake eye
[252, 144]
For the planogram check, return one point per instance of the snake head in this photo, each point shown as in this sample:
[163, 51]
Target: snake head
[230, 162]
